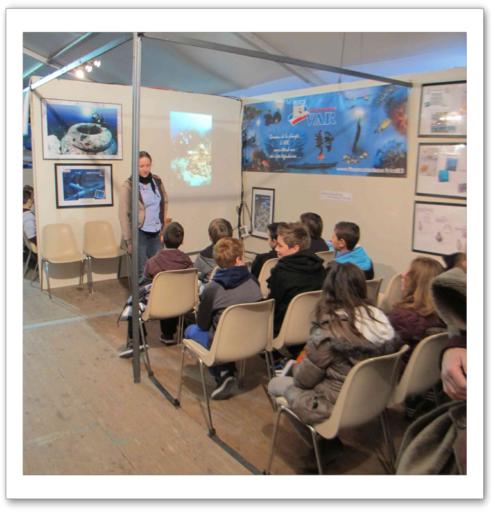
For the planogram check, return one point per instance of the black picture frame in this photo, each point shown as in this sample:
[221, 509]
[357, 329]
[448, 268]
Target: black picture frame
[263, 201]
[83, 185]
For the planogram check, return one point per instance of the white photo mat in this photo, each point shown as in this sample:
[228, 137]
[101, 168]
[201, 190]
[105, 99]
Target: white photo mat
[262, 211]
[443, 111]
[439, 228]
[442, 170]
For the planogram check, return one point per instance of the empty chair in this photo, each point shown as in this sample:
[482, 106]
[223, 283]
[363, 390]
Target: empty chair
[265, 274]
[372, 289]
[327, 256]
[59, 246]
[243, 331]
[295, 328]
[363, 397]
[173, 294]
[100, 243]
[392, 294]
[32, 250]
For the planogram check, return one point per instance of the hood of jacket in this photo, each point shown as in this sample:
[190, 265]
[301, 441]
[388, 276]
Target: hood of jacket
[449, 292]
[207, 252]
[358, 256]
[302, 261]
[232, 277]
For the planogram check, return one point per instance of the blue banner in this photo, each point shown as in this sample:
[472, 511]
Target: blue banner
[359, 132]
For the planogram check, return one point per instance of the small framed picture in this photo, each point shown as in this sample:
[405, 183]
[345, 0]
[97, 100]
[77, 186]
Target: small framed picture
[439, 228]
[83, 185]
[262, 211]
[442, 170]
[443, 111]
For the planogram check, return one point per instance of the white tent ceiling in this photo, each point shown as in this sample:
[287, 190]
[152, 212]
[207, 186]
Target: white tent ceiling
[186, 68]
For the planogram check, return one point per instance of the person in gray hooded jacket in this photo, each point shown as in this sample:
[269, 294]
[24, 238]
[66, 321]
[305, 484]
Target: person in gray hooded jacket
[346, 330]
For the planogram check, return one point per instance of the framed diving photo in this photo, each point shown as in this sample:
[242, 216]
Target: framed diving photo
[443, 111]
[442, 170]
[81, 130]
[439, 228]
[262, 211]
[83, 185]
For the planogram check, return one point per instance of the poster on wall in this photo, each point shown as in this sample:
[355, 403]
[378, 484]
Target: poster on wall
[83, 185]
[81, 130]
[262, 211]
[443, 110]
[358, 132]
[439, 228]
[442, 170]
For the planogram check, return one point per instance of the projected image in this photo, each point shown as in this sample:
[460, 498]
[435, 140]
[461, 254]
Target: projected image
[191, 159]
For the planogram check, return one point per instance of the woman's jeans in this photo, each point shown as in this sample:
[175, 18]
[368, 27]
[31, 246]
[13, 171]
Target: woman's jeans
[149, 244]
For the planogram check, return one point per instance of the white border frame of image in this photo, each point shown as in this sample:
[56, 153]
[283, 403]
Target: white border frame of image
[470, 486]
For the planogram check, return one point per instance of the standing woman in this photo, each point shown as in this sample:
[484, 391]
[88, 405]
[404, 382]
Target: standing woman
[153, 207]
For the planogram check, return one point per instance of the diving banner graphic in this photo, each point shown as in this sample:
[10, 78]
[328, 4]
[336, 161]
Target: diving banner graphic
[358, 132]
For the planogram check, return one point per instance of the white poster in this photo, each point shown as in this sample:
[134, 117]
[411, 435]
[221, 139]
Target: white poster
[442, 170]
[443, 110]
[439, 228]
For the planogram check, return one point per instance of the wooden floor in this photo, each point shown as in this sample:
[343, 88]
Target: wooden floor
[84, 415]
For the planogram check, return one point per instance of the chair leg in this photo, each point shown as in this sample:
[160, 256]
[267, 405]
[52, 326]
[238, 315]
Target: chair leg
[47, 272]
[41, 272]
[212, 432]
[316, 448]
[90, 282]
[241, 372]
[179, 329]
[129, 270]
[119, 266]
[389, 443]
[143, 340]
[274, 438]
[182, 365]
[269, 363]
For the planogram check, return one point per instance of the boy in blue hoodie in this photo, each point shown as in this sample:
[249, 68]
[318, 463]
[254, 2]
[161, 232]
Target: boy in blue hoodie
[344, 239]
[231, 284]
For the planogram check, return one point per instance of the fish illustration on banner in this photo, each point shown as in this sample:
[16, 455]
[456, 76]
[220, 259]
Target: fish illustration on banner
[359, 132]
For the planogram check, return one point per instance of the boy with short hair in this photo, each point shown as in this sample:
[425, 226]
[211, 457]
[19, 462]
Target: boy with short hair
[231, 284]
[260, 259]
[298, 270]
[28, 218]
[218, 228]
[344, 239]
[315, 225]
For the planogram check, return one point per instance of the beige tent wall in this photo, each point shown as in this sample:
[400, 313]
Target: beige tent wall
[383, 207]
[193, 208]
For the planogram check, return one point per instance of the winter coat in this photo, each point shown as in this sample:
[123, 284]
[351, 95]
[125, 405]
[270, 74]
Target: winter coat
[259, 261]
[205, 263]
[318, 378]
[359, 257]
[166, 259]
[125, 208]
[300, 272]
[229, 286]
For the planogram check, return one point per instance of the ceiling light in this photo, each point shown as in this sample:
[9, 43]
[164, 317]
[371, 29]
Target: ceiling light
[79, 73]
[97, 63]
[88, 68]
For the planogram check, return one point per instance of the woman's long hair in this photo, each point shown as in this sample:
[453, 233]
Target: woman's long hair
[417, 290]
[344, 293]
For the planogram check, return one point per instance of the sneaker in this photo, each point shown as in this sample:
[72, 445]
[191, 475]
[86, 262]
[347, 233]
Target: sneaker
[286, 370]
[167, 341]
[126, 351]
[224, 389]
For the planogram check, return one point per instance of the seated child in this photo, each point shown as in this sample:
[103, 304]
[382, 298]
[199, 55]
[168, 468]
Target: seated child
[298, 270]
[218, 228]
[169, 258]
[344, 239]
[346, 330]
[414, 317]
[29, 220]
[260, 259]
[315, 226]
[456, 259]
[231, 284]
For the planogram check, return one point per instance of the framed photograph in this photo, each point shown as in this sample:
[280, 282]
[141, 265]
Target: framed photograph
[443, 111]
[83, 185]
[81, 130]
[442, 170]
[262, 211]
[439, 228]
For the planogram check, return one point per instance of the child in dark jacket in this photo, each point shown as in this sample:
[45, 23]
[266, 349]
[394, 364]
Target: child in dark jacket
[231, 284]
[344, 239]
[298, 270]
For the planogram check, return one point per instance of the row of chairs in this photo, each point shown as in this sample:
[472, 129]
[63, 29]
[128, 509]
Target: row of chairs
[60, 247]
[245, 330]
